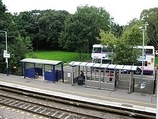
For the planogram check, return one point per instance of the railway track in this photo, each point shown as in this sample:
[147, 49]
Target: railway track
[43, 110]
[58, 113]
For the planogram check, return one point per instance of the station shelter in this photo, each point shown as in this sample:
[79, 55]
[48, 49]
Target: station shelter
[50, 70]
[101, 76]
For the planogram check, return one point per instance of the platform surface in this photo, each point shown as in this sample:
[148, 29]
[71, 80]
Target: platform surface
[118, 97]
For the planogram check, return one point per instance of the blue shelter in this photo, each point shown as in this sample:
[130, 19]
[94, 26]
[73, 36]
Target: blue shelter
[51, 70]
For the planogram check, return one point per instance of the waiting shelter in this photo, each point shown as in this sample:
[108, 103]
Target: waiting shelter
[101, 76]
[49, 69]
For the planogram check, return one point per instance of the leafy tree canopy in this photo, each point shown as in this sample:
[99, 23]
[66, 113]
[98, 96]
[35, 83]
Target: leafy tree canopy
[82, 28]
[151, 17]
[107, 38]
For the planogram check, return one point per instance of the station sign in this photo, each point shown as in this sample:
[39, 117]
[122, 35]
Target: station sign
[5, 54]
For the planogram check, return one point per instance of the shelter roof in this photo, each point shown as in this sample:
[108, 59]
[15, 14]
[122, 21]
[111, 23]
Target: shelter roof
[104, 66]
[41, 61]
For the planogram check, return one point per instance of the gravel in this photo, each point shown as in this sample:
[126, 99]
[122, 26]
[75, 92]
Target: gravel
[10, 113]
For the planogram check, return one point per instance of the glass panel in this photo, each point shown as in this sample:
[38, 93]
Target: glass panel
[106, 61]
[139, 63]
[97, 61]
[97, 50]
[148, 51]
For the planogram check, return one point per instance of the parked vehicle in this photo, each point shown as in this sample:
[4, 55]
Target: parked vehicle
[101, 54]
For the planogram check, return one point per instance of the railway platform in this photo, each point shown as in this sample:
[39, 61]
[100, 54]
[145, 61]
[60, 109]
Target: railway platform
[119, 97]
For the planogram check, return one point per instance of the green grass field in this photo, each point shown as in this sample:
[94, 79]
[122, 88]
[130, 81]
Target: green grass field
[58, 55]
[63, 56]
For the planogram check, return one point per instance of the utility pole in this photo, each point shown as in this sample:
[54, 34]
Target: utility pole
[5, 53]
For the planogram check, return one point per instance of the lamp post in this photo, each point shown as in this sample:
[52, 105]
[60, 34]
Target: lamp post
[143, 30]
[5, 54]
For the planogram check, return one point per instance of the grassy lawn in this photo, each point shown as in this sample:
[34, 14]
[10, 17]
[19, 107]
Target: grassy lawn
[58, 55]
[63, 56]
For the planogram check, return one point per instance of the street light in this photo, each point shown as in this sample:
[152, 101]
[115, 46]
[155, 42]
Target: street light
[5, 54]
[143, 30]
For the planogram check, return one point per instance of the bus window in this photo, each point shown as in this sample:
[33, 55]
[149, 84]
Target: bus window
[146, 63]
[139, 63]
[96, 60]
[97, 50]
[148, 51]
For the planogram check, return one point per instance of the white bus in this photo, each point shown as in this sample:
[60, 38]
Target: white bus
[148, 59]
[101, 54]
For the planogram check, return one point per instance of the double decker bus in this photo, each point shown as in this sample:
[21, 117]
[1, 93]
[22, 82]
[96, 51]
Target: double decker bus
[101, 54]
[146, 62]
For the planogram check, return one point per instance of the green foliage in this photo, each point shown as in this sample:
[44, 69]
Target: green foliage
[107, 38]
[116, 29]
[2, 60]
[2, 8]
[125, 54]
[58, 30]
[156, 61]
[82, 28]
[132, 36]
[151, 17]
[25, 46]
[51, 23]
[43, 27]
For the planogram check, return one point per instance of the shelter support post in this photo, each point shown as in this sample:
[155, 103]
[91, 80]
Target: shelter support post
[72, 76]
[54, 74]
[131, 83]
[43, 71]
[24, 69]
[99, 79]
[78, 67]
[114, 79]
[34, 65]
[86, 75]
[62, 72]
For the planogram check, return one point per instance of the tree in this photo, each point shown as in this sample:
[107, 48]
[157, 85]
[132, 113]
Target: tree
[116, 29]
[43, 27]
[125, 53]
[51, 23]
[17, 47]
[82, 28]
[151, 17]
[107, 38]
[2, 14]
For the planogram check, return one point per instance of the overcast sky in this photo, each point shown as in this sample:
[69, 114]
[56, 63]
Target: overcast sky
[121, 10]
